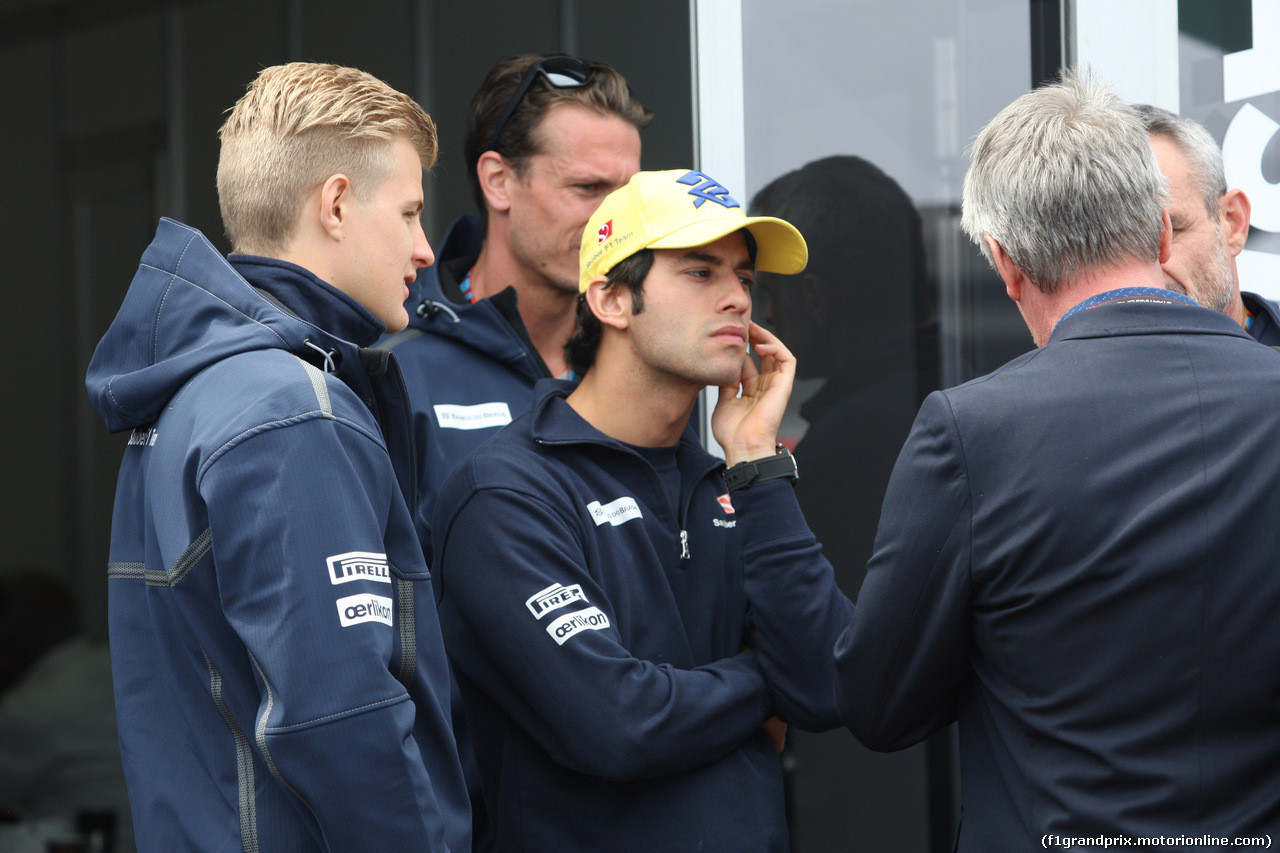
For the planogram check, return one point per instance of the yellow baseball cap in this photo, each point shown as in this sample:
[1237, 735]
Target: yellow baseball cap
[680, 209]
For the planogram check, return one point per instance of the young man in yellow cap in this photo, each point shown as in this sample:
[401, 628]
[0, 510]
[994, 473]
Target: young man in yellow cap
[631, 623]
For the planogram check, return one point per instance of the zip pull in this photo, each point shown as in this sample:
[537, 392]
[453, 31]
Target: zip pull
[684, 544]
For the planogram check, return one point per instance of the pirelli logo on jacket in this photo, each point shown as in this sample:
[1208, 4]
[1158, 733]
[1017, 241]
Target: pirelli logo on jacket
[554, 597]
[365, 607]
[358, 566]
[557, 596]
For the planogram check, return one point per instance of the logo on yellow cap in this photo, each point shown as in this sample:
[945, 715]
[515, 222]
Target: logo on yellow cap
[707, 188]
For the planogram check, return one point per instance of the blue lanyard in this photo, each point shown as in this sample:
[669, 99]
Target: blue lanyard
[465, 287]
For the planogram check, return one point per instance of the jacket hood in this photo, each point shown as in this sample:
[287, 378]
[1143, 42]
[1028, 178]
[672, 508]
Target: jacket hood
[462, 241]
[492, 325]
[188, 307]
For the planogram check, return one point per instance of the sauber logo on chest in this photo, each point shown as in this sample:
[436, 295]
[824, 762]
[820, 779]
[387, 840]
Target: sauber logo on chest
[726, 504]
[591, 619]
[615, 512]
[358, 566]
[553, 598]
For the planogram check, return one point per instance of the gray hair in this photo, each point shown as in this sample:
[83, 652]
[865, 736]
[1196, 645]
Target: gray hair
[1197, 145]
[1064, 179]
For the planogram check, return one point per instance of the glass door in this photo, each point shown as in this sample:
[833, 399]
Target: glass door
[850, 118]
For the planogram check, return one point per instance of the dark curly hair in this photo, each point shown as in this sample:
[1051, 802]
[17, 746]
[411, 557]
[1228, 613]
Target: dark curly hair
[630, 272]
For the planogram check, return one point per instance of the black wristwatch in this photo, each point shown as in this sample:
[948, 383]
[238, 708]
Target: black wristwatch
[744, 474]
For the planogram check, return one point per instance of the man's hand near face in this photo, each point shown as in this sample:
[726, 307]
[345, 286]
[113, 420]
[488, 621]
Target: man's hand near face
[746, 424]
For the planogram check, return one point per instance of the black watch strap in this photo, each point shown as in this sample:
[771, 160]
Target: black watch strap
[744, 474]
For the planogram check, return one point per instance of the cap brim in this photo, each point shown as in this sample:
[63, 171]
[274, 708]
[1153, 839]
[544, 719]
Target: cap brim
[780, 247]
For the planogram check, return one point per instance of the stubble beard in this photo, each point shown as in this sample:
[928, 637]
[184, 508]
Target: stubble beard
[556, 280]
[729, 374]
[541, 264]
[1215, 280]
[694, 370]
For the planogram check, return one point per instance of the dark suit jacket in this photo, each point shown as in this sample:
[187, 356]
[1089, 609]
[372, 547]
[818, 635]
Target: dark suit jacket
[1079, 558]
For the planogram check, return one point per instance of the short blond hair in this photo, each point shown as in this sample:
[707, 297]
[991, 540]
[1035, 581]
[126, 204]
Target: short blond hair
[296, 126]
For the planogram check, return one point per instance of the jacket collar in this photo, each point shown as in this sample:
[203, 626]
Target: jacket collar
[553, 421]
[1266, 318]
[342, 331]
[310, 299]
[427, 297]
[492, 326]
[1151, 312]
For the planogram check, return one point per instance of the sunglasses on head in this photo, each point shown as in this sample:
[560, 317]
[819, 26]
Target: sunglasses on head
[563, 72]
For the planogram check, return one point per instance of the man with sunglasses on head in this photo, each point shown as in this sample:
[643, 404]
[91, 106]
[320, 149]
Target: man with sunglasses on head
[548, 137]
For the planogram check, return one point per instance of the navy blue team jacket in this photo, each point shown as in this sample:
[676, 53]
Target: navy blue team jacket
[279, 677]
[617, 653]
[469, 367]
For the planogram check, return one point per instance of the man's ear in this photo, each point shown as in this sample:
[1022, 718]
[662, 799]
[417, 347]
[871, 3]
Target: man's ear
[611, 305]
[335, 199]
[1014, 279]
[1233, 213]
[495, 176]
[1166, 238]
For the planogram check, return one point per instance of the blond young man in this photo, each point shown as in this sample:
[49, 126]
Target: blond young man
[280, 681]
